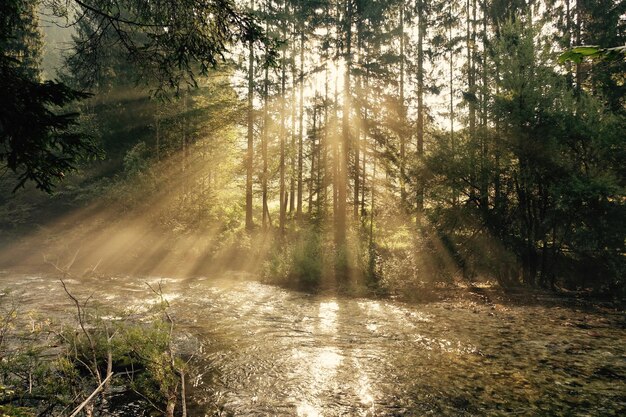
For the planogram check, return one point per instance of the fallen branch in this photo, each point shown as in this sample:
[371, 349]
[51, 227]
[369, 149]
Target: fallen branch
[93, 394]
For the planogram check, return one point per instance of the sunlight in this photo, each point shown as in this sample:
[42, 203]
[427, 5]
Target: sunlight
[328, 361]
[370, 306]
[328, 316]
[322, 208]
[95, 236]
[364, 386]
[305, 409]
[323, 364]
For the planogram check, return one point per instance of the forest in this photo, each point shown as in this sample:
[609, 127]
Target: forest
[275, 207]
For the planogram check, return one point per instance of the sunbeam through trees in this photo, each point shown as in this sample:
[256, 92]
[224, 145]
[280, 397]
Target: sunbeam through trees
[393, 168]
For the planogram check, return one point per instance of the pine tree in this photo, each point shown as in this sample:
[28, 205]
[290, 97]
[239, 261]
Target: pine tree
[36, 143]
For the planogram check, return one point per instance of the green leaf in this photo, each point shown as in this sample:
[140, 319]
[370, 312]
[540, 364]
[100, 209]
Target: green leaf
[587, 50]
[570, 56]
[578, 53]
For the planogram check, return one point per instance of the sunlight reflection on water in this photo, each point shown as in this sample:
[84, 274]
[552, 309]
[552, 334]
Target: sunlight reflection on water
[328, 316]
[364, 385]
[327, 362]
[320, 378]
[372, 327]
[305, 409]
[370, 306]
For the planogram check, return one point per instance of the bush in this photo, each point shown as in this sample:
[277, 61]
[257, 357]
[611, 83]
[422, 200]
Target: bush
[296, 263]
[307, 261]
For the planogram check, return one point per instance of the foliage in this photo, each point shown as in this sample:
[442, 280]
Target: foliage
[298, 262]
[43, 374]
[578, 53]
[169, 44]
[388, 145]
[38, 140]
[172, 43]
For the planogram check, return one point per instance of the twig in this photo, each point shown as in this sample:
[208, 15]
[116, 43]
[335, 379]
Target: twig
[173, 367]
[81, 323]
[71, 263]
[182, 392]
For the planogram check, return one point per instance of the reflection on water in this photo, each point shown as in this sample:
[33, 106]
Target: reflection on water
[328, 316]
[265, 351]
[305, 409]
[327, 362]
[364, 388]
[321, 377]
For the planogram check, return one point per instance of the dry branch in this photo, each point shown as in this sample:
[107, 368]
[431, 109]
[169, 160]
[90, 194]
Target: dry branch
[91, 397]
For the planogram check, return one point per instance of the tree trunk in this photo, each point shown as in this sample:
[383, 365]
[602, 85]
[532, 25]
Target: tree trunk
[292, 147]
[334, 135]
[402, 114]
[579, 73]
[357, 135]
[282, 191]
[300, 124]
[324, 147]
[264, 139]
[312, 180]
[249, 154]
[484, 178]
[470, 40]
[365, 131]
[340, 231]
[455, 196]
[158, 137]
[420, 108]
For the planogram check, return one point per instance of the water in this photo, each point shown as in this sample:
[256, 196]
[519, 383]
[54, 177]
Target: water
[262, 350]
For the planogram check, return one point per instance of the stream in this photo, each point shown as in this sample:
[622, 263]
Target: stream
[262, 350]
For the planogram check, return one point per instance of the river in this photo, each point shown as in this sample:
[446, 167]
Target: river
[262, 350]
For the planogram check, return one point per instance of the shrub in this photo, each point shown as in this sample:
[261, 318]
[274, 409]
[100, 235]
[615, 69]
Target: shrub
[296, 263]
[43, 376]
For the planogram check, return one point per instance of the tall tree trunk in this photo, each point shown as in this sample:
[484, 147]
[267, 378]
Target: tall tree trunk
[568, 35]
[470, 40]
[324, 150]
[357, 135]
[372, 197]
[319, 177]
[402, 114]
[420, 107]
[340, 231]
[158, 137]
[484, 177]
[335, 149]
[300, 123]
[264, 138]
[364, 140]
[282, 191]
[313, 183]
[292, 147]
[249, 154]
[451, 81]
[334, 133]
[185, 151]
[579, 73]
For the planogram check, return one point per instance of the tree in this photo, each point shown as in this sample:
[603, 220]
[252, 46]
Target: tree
[171, 42]
[39, 141]
[250, 149]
